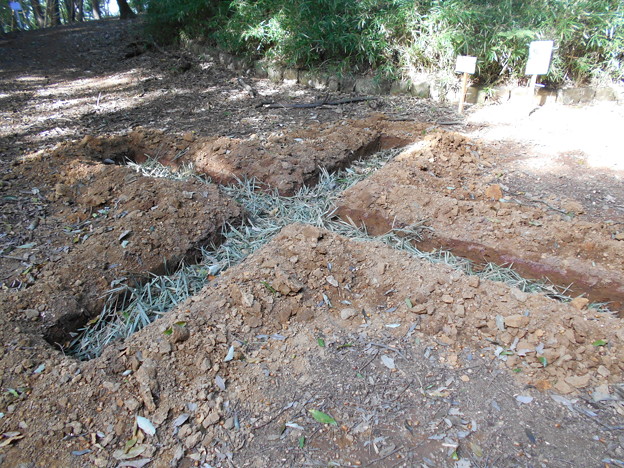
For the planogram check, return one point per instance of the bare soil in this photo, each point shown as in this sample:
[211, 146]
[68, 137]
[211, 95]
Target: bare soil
[417, 364]
[444, 183]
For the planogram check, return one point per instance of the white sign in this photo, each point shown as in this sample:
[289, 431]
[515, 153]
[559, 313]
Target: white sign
[466, 64]
[540, 53]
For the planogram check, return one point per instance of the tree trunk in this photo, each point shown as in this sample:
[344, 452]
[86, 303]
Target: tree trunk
[95, 8]
[39, 16]
[71, 11]
[125, 12]
[53, 13]
[80, 13]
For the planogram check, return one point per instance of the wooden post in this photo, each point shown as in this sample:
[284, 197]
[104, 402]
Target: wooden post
[460, 108]
[466, 65]
[532, 84]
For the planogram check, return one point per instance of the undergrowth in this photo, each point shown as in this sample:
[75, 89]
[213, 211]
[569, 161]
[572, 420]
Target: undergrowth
[405, 37]
[129, 308]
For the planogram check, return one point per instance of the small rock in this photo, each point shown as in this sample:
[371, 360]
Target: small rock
[179, 334]
[132, 404]
[193, 440]
[516, 321]
[210, 420]
[164, 347]
[447, 340]
[247, 299]
[494, 192]
[148, 384]
[31, 314]
[474, 281]
[229, 423]
[188, 136]
[346, 314]
[578, 381]
[602, 393]
[447, 299]
[602, 370]
[543, 385]
[619, 236]
[204, 364]
[331, 280]
[579, 303]
[464, 378]
[573, 207]
[519, 295]
[178, 454]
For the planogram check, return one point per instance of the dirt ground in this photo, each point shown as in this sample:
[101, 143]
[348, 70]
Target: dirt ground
[317, 350]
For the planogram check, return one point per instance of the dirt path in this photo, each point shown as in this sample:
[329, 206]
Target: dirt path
[324, 347]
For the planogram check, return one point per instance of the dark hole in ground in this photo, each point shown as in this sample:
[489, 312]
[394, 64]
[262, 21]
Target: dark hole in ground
[89, 307]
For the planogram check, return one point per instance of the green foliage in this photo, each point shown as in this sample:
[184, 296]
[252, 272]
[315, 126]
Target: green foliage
[407, 36]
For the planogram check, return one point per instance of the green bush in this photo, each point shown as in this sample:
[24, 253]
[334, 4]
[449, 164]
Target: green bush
[399, 37]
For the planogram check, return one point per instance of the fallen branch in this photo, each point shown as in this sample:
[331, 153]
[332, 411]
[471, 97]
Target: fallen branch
[324, 102]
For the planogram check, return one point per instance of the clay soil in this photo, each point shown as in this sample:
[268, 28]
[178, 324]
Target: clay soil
[317, 350]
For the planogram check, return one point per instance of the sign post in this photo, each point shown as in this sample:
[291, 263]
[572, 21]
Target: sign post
[540, 53]
[466, 65]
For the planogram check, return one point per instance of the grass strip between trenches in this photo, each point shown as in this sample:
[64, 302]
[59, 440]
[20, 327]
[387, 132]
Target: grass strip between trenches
[129, 308]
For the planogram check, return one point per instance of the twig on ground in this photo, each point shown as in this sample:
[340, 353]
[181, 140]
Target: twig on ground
[376, 460]
[367, 364]
[390, 348]
[274, 417]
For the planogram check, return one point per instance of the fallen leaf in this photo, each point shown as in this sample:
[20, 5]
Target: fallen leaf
[146, 425]
[131, 443]
[408, 302]
[181, 419]
[323, 417]
[132, 453]
[124, 234]
[599, 343]
[10, 437]
[78, 453]
[230, 354]
[388, 362]
[136, 463]
[476, 449]
[301, 441]
[321, 342]
[220, 382]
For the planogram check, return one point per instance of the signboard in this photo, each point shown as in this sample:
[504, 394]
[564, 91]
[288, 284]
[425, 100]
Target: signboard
[466, 64]
[540, 53]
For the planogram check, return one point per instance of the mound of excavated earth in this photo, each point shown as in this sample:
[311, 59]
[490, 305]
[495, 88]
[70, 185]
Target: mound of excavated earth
[439, 185]
[106, 226]
[281, 160]
[321, 350]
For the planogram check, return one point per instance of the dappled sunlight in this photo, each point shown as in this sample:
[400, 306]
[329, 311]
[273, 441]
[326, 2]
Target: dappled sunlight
[92, 84]
[31, 79]
[554, 134]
